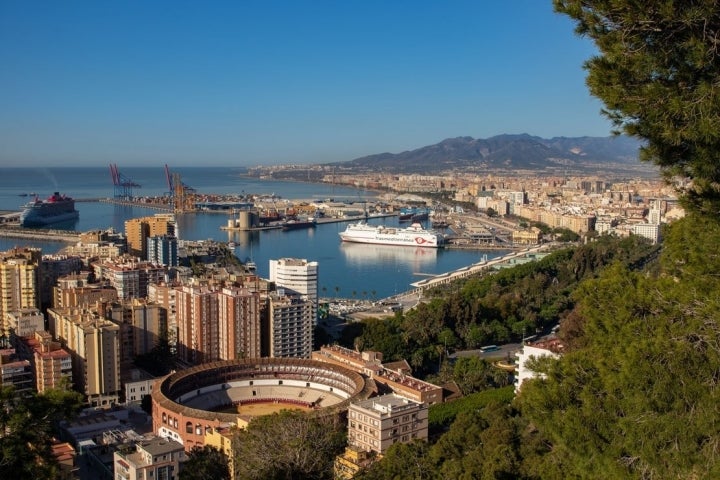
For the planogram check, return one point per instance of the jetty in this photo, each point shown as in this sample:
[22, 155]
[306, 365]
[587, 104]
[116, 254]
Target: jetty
[43, 234]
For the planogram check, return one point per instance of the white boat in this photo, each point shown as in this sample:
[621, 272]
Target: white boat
[413, 236]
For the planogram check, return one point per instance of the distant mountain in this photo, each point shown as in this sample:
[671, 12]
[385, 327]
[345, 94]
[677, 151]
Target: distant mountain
[506, 152]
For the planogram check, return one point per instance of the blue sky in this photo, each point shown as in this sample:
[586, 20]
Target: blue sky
[275, 82]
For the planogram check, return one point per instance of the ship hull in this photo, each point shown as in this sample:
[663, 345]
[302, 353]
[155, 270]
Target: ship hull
[413, 236]
[58, 208]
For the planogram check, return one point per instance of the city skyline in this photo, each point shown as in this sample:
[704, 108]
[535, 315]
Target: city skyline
[281, 82]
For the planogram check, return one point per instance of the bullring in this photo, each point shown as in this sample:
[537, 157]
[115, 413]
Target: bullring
[188, 403]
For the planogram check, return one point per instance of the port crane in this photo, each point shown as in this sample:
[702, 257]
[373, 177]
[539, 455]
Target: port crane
[122, 185]
[181, 194]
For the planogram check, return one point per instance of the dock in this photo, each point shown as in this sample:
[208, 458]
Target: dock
[46, 235]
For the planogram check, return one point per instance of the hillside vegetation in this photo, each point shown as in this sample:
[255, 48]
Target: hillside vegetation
[635, 397]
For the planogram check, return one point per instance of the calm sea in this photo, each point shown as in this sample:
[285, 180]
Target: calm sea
[347, 269]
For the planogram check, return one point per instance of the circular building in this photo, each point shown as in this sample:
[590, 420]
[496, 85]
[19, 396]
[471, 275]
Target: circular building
[191, 402]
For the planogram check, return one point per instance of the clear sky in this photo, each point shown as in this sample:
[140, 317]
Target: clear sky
[272, 82]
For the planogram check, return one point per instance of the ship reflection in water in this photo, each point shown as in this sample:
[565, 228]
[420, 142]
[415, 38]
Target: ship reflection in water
[361, 253]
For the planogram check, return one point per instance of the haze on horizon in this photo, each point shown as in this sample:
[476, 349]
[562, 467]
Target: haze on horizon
[278, 82]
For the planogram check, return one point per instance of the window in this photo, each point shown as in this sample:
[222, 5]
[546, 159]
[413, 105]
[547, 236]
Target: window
[188, 427]
[164, 417]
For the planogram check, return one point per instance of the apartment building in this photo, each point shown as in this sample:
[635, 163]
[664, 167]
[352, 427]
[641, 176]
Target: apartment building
[297, 276]
[158, 459]
[290, 320]
[378, 423]
[19, 279]
[138, 230]
[94, 344]
[51, 364]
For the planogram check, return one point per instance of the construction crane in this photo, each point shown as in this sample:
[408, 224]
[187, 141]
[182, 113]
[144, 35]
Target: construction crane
[181, 197]
[122, 185]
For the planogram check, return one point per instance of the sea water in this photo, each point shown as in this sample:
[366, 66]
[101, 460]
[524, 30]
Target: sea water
[345, 269]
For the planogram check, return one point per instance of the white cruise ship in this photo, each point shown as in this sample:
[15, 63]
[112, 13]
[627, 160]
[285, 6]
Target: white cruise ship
[412, 236]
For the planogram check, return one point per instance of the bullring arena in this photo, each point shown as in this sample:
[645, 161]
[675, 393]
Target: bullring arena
[188, 403]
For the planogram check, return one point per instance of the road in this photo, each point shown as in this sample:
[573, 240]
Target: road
[503, 353]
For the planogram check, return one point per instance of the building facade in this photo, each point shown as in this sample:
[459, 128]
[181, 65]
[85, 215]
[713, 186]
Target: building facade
[378, 423]
[297, 276]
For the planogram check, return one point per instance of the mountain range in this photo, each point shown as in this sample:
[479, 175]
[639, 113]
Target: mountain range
[508, 153]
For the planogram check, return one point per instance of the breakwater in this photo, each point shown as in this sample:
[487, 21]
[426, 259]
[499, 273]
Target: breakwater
[50, 235]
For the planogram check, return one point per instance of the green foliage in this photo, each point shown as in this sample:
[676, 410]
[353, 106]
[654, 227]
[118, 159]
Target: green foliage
[442, 415]
[205, 462]
[27, 425]
[657, 72]
[636, 396]
[496, 308]
[160, 360]
[289, 445]
[402, 461]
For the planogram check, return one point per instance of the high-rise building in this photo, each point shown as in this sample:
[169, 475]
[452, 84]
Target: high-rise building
[94, 343]
[290, 320]
[297, 276]
[197, 324]
[163, 250]
[19, 279]
[142, 326]
[137, 231]
[239, 318]
[218, 323]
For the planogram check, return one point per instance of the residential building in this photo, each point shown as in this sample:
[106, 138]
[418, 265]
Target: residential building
[163, 250]
[52, 267]
[131, 278]
[297, 276]
[158, 459]
[51, 364]
[76, 291]
[138, 230]
[239, 312]
[290, 322]
[352, 462]
[377, 423]
[138, 384]
[532, 351]
[223, 438]
[24, 322]
[197, 324]
[94, 343]
[15, 372]
[19, 279]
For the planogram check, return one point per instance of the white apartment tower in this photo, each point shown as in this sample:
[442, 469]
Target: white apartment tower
[297, 276]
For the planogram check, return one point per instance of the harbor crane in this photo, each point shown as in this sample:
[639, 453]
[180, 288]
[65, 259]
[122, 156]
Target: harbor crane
[181, 194]
[122, 185]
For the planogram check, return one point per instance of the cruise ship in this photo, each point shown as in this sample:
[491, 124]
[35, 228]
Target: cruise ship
[56, 208]
[413, 236]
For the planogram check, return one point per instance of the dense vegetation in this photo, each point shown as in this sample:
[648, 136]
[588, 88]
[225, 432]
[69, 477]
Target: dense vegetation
[497, 308]
[27, 426]
[634, 397]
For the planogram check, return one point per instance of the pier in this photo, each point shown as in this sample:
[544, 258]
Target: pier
[48, 235]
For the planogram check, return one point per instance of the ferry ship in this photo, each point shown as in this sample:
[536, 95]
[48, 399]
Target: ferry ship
[56, 208]
[413, 236]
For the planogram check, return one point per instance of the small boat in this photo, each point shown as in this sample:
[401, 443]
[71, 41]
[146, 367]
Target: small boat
[250, 265]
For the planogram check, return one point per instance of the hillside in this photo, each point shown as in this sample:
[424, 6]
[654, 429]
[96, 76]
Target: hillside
[507, 152]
